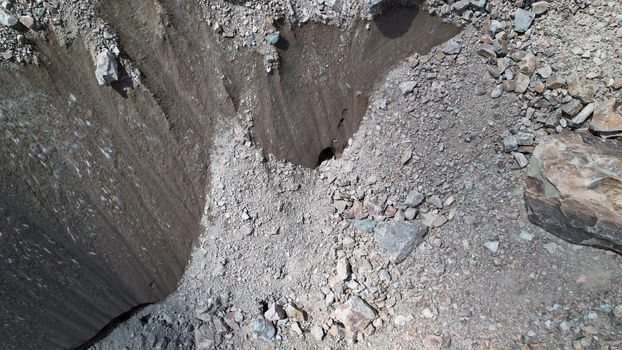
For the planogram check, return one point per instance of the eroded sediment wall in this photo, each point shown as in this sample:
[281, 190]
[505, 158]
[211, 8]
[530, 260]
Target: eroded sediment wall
[103, 188]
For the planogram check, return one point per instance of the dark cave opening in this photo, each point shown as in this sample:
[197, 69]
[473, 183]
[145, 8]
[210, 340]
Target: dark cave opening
[326, 154]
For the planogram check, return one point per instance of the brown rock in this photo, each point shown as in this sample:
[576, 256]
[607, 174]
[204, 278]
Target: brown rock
[522, 83]
[574, 189]
[295, 313]
[527, 65]
[539, 87]
[488, 52]
[555, 81]
[355, 314]
[390, 211]
[359, 210]
[509, 85]
[606, 122]
[581, 90]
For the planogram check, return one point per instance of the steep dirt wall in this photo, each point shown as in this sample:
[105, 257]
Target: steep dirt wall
[102, 192]
[101, 199]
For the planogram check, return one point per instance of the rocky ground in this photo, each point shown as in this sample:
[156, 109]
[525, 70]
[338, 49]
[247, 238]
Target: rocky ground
[417, 235]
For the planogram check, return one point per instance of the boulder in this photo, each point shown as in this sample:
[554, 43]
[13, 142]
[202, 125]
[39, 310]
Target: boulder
[574, 189]
[106, 70]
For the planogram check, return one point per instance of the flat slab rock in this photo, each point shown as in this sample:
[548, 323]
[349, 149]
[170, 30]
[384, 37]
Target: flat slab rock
[400, 238]
[574, 189]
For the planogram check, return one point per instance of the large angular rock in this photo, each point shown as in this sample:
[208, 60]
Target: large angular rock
[106, 71]
[606, 122]
[400, 238]
[574, 189]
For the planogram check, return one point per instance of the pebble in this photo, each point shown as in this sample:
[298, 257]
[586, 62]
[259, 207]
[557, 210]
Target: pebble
[273, 38]
[27, 21]
[523, 20]
[406, 156]
[572, 107]
[294, 312]
[410, 213]
[510, 143]
[581, 90]
[551, 247]
[451, 48]
[540, 7]
[545, 71]
[520, 159]
[488, 52]
[343, 269]
[525, 236]
[617, 311]
[263, 328]
[493, 246]
[275, 313]
[436, 201]
[555, 81]
[582, 116]
[414, 198]
[7, 19]
[317, 332]
[355, 314]
[522, 83]
[496, 93]
[524, 139]
[480, 89]
[401, 320]
[496, 26]
[407, 87]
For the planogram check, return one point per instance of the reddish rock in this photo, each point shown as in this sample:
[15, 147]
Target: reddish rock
[355, 314]
[574, 189]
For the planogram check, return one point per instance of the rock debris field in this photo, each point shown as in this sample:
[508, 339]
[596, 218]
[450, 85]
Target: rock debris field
[477, 205]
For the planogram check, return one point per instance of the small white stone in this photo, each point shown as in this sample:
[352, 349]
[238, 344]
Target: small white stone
[525, 236]
[493, 246]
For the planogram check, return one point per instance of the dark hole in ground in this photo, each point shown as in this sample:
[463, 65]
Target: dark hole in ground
[396, 21]
[326, 154]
